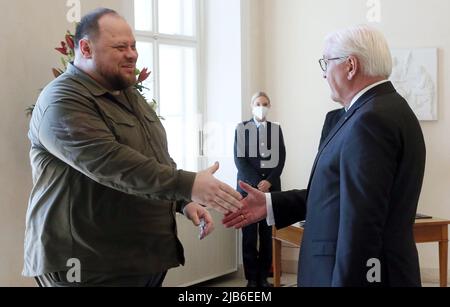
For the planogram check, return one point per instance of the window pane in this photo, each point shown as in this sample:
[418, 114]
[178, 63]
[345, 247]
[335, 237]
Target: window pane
[143, 15]
[145, 60]
[178, 104]
[177, 17]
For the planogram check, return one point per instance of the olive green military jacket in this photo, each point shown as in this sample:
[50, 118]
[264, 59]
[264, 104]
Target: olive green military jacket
[104, 184]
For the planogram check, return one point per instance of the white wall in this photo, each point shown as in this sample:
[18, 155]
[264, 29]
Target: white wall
[252, 53]
[29, 30]
[293, 32]
[222, 89]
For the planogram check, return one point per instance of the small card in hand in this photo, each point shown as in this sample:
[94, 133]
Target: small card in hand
[202, 227]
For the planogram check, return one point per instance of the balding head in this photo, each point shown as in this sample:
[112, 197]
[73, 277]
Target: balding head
[89, 25]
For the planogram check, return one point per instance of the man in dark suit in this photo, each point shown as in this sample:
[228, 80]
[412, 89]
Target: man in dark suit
[366, 180]
[259, 155]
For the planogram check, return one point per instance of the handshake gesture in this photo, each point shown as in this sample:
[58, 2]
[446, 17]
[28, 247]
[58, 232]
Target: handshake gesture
[253, 209]
[213, 193]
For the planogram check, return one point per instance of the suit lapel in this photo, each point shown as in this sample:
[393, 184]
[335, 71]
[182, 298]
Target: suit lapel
[379, 90]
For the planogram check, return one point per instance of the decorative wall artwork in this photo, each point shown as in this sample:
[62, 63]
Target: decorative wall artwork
[415, 76]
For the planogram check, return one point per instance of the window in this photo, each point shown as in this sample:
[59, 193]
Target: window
[167, 42]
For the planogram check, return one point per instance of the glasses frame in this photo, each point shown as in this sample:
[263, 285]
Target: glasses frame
[324, 62]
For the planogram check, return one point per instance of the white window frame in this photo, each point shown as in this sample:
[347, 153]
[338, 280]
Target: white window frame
[194, 41]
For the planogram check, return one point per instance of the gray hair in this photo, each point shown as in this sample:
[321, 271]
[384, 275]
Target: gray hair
[259, 94]
[365, 43]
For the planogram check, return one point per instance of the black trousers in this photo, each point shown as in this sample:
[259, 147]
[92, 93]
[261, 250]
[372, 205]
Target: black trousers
[95, 279]
[257, 262]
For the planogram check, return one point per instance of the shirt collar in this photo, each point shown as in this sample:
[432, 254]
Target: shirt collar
[93, 86]
[365, 90]
[257, 123]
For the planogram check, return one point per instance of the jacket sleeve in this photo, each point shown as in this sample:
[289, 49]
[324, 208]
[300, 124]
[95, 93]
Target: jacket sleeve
[367, 169]
[276, 172]
[246, 171]
[179, 204]
[75, 133]
[288, 207]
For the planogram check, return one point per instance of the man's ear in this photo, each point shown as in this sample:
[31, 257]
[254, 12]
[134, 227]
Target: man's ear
[85, 48]
[352, 66]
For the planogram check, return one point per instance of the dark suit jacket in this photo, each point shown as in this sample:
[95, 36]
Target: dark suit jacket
[331, 119]
[250, 168]
[362, 197]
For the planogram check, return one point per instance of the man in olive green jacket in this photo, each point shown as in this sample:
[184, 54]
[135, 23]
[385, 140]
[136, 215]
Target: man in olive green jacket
[106, 190]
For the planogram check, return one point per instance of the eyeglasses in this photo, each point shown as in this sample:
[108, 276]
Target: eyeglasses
[324, 62]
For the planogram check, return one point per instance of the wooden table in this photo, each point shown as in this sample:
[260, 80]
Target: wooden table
[425, 230]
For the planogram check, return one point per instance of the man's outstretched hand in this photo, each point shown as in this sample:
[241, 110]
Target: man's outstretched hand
[253, 209]
[213, 193]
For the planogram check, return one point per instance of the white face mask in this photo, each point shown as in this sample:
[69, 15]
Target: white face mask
[260, 112]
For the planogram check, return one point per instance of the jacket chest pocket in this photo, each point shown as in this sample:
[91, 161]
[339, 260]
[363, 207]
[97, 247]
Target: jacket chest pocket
[125, 129]
[157, 138]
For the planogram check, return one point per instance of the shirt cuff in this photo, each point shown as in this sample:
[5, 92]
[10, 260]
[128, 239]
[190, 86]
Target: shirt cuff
[180, 206]
[270, 219]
